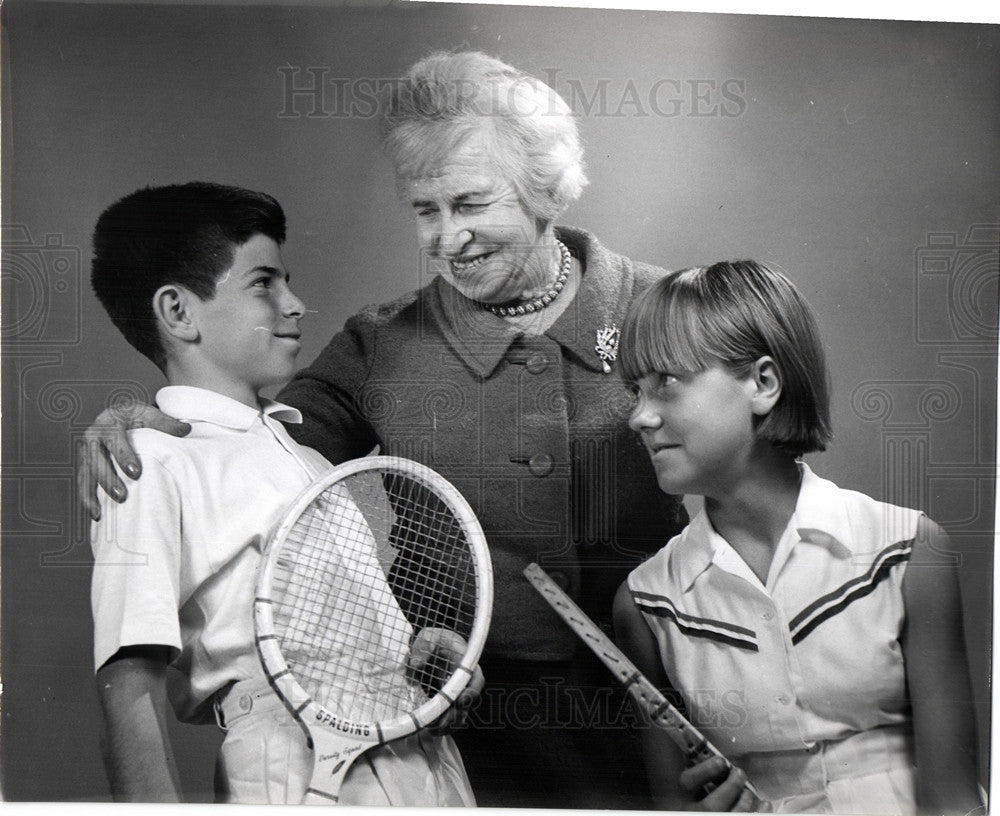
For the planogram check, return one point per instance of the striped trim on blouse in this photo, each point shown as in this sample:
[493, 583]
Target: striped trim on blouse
[719, 631]
[843, 596]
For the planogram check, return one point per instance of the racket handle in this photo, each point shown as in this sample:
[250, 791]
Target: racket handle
[694, 747]
[697, 749]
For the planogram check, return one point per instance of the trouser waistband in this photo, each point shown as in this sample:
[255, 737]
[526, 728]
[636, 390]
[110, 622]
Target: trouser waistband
[241, 697]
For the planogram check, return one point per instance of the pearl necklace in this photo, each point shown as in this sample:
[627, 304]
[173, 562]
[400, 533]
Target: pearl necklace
[540, 302]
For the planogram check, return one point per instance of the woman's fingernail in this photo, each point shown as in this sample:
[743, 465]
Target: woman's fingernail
[132, 470]
[118, 493]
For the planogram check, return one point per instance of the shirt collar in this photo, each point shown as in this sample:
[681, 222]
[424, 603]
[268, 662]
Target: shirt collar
[482, 340]
[695, 550]
[820, 518]
[190, 404]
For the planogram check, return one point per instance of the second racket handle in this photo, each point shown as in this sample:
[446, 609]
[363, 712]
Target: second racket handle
[694, 746]
[688, 738]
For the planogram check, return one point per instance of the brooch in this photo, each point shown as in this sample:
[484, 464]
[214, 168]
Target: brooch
[607, 345]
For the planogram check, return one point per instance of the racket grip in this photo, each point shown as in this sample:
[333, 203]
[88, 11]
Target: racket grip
[696, 756]
[699, 753]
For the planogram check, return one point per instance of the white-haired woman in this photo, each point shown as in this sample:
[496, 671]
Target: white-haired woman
[499, 374]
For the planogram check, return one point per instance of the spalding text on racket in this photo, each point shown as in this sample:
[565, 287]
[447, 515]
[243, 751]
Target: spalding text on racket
[373, 602]
[688, 738]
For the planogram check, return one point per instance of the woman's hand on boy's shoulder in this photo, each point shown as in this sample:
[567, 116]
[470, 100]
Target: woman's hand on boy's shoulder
[106, 441]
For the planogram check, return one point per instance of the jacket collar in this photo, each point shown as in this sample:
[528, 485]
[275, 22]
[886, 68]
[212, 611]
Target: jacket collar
[820, 517]
[191, 404]
[482, 340]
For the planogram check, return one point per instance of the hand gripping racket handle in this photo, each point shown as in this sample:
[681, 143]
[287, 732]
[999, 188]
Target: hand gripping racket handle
[688, 738]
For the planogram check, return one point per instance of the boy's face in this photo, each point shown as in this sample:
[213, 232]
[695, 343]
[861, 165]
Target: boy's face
[248, 334]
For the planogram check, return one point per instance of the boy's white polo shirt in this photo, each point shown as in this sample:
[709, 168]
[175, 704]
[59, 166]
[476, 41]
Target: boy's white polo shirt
[176, 564]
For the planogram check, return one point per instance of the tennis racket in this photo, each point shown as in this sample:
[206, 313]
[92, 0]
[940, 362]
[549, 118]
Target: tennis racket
[372, 605]
[689, 739]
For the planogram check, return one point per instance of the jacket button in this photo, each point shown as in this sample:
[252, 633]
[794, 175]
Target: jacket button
[537, 363]
[540, 464]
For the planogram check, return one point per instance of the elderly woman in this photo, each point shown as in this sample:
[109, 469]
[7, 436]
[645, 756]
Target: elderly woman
[499, 374]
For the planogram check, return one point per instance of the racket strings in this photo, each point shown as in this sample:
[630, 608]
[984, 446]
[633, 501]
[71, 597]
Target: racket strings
[433, 576]
[439, 555]
[342, 634]
[375, 596]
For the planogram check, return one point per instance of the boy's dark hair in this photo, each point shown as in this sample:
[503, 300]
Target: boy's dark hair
[731, 314]
[183, 234]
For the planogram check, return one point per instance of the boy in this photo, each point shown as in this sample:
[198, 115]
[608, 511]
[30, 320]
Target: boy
[192, 276]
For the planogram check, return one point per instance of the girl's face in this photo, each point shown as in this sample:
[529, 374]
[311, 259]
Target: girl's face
[698, 428]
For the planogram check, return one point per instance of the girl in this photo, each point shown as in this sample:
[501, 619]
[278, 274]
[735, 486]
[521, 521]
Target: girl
[813, 633]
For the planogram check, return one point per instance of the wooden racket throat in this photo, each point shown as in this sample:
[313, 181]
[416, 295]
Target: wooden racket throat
[688, 738]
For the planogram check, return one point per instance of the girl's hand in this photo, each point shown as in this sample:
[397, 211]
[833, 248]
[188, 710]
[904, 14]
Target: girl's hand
[731, 793]
[107, 440]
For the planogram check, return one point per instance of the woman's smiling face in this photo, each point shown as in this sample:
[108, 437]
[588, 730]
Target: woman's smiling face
[476, 231]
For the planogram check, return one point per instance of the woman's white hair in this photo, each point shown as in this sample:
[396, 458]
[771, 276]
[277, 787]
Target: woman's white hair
[531, 134]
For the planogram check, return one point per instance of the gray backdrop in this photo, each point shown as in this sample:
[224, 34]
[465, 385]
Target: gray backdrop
[862, 157]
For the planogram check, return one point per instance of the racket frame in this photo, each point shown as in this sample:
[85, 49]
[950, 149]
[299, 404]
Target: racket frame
[337, 741]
